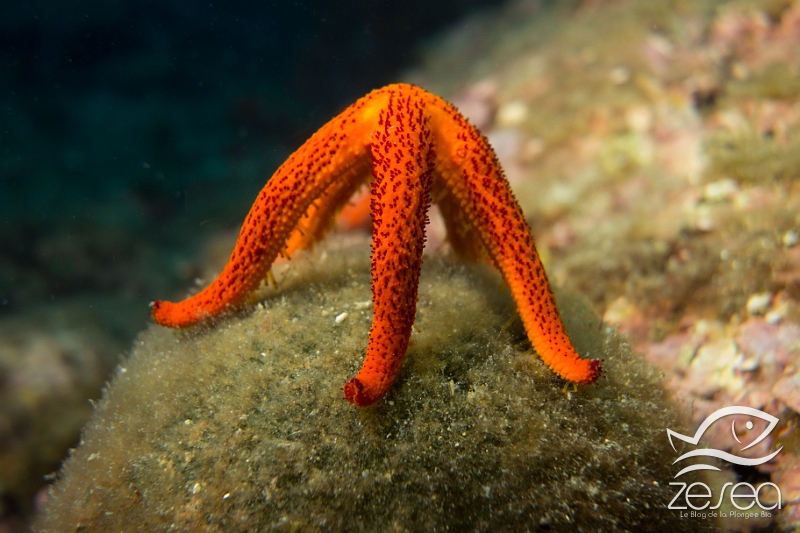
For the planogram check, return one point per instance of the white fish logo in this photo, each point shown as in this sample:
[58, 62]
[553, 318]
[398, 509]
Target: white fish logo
[725, 456]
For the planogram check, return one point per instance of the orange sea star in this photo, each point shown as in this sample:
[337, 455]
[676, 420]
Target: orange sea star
[418, 147]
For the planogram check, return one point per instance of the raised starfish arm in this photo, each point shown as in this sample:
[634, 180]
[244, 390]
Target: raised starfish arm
[467, 168]
[327, 168]
[321, 214]
[415, 143]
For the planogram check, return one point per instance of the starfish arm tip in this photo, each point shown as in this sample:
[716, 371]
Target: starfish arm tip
[359, 394]
[167, 314]
[160, 311]
[353, 391]
[156, 309]
[595, 371]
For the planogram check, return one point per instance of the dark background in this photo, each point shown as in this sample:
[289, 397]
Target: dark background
[131, 128]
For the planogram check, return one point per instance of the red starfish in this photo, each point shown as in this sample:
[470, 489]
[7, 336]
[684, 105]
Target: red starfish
[417, 146]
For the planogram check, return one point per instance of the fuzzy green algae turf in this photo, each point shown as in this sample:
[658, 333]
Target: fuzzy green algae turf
[243, 426]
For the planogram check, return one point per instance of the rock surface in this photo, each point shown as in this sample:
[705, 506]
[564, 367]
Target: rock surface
[242, 426]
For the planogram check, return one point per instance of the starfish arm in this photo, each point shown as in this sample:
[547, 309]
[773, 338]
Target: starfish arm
[402, 156]
[461, 234]
[356, 214]
[321, 215]
[327, 163]
[469, 170]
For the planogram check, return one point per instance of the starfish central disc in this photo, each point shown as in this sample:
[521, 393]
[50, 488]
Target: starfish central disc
[413, 145]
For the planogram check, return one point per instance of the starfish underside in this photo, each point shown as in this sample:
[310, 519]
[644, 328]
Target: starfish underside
[417, 146]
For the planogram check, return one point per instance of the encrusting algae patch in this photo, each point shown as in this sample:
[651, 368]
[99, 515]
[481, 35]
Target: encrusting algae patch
[241, 425]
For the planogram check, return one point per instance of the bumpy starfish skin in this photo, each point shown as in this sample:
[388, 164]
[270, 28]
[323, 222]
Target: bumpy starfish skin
[417, 146]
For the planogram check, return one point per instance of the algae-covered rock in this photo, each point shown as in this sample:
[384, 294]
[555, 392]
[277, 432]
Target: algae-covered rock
[242, 426]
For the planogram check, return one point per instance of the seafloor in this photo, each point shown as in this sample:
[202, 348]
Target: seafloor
[654, 147]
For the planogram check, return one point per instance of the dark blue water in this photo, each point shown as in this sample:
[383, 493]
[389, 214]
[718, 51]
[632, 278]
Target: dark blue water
[133, 114]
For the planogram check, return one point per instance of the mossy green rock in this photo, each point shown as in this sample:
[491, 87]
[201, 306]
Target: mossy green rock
[242, 426]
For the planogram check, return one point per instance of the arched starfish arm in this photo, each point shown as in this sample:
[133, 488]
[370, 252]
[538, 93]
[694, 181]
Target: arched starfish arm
[402, 156]
[461, 234]
[338, 152]
[356, 213]
[321, 215]
[468, 168]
